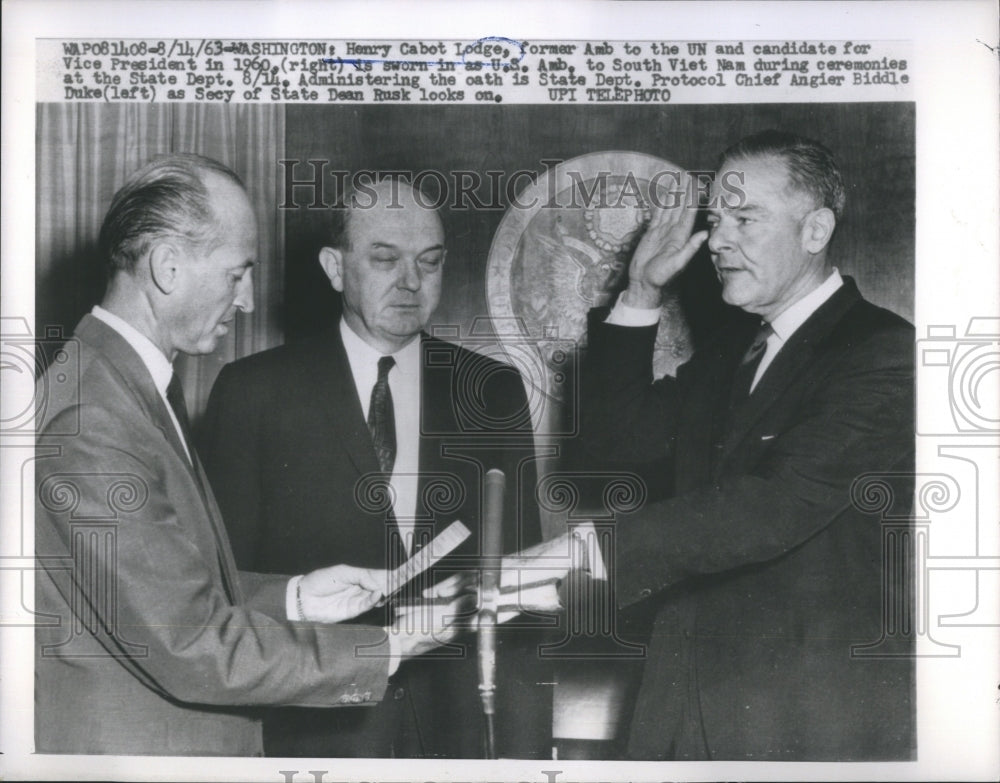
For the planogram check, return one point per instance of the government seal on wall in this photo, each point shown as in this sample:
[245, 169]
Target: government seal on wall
[563, 247]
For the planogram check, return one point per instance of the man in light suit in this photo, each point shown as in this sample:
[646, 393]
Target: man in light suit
[292, 446]
[764, 579]
[150, 641]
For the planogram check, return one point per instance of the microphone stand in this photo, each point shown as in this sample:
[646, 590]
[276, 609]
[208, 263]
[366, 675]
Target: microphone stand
[492, 549]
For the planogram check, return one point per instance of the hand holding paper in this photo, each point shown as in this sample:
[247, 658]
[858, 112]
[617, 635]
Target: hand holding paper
[446, 608]
[338, 593]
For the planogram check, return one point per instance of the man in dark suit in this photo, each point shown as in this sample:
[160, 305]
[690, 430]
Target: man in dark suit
[760, 573]
[299, 438]
[150, 641]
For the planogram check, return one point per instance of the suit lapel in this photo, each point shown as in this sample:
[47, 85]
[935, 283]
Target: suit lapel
[340, 405]
[227, 562]
[135, 376]
[436, 412]
[793, 358]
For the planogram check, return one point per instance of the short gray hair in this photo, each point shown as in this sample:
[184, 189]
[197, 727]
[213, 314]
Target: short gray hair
[811, 166]
[165, 199]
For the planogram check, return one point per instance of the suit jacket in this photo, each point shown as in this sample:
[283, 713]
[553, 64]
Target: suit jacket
[760, 571]
[287, 448]
[149, 639]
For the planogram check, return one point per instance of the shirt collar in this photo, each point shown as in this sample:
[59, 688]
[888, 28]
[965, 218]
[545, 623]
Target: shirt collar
[157, 364]
[784, 325]
[361, 354]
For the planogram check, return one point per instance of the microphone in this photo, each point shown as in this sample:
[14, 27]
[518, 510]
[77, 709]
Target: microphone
[492, 552]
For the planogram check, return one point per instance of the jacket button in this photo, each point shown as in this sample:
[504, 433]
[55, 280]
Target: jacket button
[399, 694]
[645, 592]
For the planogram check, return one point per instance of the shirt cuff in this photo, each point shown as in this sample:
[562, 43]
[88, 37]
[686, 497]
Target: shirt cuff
[623, 315]
[592, 557]
[292, 599]
[395, 657]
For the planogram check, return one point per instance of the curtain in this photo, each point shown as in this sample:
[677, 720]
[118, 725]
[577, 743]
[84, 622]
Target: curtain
[84, 154]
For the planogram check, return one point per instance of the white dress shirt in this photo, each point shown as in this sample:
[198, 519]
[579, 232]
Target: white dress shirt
[158, 365]
[783, 327]
[404, 383]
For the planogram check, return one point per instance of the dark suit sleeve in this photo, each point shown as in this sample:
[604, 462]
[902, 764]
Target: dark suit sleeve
[524, 698]
[857, 417]
[230, 432]
[626, 419]
[519, 464]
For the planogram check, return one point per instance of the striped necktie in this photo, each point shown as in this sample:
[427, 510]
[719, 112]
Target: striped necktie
[751, 360]
[382, 417]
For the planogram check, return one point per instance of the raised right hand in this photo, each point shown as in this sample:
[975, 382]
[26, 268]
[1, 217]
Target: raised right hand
[664, 250]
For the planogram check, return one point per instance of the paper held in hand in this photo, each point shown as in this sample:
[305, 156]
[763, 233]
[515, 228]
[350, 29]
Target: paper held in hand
[442, 545]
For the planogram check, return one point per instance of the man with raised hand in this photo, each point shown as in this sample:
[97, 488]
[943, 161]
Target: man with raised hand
[765, 579]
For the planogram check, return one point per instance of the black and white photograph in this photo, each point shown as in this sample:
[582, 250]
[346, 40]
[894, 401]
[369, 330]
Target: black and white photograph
[566, 397]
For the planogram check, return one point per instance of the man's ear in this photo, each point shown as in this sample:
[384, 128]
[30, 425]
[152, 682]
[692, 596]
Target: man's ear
[332, 261]
[817, 230]
[164, 263]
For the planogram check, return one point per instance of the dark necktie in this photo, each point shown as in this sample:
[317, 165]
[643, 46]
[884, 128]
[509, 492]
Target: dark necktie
[381, 417]
[750, 362]
[175, 396]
